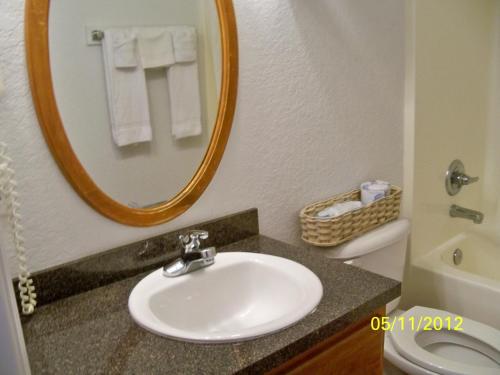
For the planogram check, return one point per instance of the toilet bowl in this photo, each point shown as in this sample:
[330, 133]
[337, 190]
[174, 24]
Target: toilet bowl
[475, 350]
[472, 348]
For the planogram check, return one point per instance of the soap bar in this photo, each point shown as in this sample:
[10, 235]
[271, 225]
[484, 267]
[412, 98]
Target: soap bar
[339, 209]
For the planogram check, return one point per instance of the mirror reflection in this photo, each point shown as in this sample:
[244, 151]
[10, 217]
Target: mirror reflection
[137, 90]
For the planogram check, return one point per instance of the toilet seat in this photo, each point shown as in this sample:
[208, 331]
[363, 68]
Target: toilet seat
[392, 355]
[410, 343]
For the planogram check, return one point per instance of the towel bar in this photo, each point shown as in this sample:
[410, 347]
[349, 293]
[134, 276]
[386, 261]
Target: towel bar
[97, 35]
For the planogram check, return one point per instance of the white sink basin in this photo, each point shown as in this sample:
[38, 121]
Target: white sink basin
[241, 296]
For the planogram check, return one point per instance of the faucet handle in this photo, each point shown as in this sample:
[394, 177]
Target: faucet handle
[191, 240]
[456, 178]
[463, 179]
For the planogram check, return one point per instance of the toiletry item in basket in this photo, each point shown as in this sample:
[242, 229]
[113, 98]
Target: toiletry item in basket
[374, 190]
[339, 209]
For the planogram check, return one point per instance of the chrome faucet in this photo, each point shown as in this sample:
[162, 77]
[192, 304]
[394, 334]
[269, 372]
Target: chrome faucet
[456, 178]
[192, 257]
[465, 213]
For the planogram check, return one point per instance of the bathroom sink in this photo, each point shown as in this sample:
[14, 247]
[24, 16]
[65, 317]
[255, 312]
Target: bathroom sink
[242, 296]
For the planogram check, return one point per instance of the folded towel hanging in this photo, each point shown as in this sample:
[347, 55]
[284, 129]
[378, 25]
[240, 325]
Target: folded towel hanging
[184, 85]
[184, 91]
[155, 47]
[127, 97]
[185, 44]
[124, 48]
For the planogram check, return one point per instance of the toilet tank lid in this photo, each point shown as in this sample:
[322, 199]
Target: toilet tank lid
[374, 240]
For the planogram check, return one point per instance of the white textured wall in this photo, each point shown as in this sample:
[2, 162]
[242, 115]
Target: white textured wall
[320, 109]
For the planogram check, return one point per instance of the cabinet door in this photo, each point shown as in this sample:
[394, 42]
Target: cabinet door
[356, 350]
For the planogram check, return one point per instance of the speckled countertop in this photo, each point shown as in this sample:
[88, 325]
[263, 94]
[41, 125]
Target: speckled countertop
[93, 333]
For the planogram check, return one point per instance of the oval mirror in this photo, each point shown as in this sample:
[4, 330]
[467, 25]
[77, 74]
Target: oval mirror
[135, 98]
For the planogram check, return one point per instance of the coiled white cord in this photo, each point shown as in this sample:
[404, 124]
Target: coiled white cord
[9, 195]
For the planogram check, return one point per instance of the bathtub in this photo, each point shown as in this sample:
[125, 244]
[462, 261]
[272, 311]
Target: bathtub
[470, 288]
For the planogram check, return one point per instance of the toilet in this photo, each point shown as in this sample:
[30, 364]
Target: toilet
[474, 350]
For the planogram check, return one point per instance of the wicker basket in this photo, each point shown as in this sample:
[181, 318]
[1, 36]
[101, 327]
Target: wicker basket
[334, 231]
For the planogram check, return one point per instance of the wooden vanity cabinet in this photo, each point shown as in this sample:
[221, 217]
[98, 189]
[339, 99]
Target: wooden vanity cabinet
[356, 350]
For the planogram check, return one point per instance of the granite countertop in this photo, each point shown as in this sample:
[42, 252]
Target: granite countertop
[93, 333]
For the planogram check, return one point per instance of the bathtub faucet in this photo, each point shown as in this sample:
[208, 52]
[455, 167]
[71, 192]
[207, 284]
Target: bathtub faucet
[465, 213]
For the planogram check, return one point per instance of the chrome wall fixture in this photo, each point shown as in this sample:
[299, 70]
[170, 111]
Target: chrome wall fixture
[456, 177]
[457, 257]
[97, 35]
[466, 213]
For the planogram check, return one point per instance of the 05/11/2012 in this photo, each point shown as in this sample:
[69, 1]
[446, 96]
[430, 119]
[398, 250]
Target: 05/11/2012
[424, 323]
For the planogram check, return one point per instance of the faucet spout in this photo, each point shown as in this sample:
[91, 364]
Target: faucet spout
[192, 257]
[466, 213]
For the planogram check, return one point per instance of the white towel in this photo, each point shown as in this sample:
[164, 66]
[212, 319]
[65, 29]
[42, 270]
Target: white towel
[124, 48]
[184, 91]
[185, 44]
[184, 85]
[155, 47]
[127, 98]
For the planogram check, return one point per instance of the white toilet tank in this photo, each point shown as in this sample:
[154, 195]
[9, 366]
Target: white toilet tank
[381, 251]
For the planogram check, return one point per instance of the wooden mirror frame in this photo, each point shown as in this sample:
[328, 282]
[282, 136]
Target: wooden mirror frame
[42, 90]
